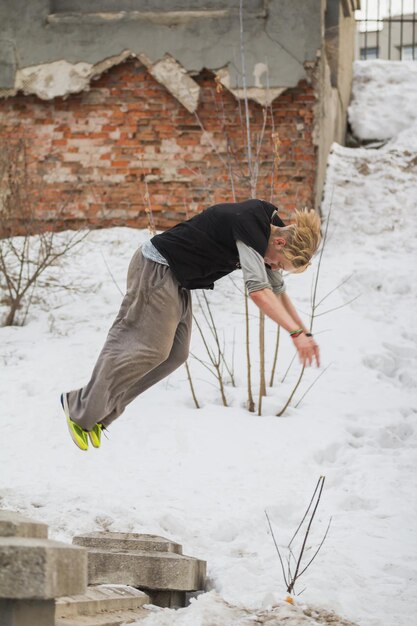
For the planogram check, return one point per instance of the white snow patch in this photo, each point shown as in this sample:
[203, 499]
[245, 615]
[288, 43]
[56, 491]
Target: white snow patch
[384, 98]
[212, 610]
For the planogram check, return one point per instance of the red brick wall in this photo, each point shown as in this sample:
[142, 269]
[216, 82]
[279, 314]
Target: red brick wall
[99, 152]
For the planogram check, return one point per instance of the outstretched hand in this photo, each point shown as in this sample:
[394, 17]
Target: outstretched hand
[307, 349]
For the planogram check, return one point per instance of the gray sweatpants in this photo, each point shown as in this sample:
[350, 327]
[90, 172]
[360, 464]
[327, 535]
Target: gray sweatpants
[149, 339]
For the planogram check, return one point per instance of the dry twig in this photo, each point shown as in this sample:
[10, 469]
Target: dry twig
[291, 577]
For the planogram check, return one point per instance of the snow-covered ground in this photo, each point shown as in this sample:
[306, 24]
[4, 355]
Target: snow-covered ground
[205, 477]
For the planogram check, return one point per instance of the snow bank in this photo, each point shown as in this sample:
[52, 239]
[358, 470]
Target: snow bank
[384, 98]
[211, 610]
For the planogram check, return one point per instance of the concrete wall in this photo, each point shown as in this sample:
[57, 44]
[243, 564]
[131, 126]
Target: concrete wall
[335, 81]
[280, 35]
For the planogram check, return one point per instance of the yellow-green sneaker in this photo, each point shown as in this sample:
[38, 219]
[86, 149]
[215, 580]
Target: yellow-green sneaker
[78, 434]
[95, 435]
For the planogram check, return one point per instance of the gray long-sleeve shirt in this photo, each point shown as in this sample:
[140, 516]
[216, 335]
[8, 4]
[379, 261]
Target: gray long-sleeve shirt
[255, 273]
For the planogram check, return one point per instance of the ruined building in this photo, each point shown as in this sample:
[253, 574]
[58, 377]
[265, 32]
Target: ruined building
[131, 105]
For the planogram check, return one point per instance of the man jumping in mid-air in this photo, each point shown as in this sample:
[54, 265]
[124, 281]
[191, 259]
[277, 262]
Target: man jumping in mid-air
[151, 334]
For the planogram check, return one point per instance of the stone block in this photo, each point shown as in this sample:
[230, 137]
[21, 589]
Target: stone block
[160, 570]
[100, 599]
[15, 525]
[115, 618]
[40, 569]
[147, 562]
[127, 541]
[27, 612]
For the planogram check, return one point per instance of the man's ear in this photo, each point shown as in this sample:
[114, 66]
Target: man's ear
[280, 242]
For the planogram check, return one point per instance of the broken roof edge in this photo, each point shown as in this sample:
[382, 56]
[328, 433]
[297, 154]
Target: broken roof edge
[61, 78]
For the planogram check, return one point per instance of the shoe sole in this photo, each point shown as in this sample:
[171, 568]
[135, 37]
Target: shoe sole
[93, 440]
[64, 403]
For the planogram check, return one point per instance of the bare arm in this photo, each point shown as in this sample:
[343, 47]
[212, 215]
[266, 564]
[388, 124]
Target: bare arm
[281, 310]
[291, 310]
[273, 306]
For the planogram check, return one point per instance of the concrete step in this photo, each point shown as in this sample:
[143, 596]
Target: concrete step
[115, 618]
[147, 562]
[40, 569]
[101, 605]
[157, 570]
[15, 525]
[127, 541]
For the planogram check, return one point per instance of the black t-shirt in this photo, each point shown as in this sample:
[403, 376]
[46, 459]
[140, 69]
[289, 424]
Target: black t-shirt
[203, 249]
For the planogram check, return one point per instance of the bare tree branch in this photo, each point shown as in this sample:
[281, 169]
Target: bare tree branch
[296, 573]
[191, 385]
[277, 549]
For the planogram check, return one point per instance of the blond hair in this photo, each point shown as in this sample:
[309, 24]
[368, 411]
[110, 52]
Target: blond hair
[303, 238]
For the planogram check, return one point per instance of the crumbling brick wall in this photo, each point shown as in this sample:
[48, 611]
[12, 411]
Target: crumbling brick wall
[108, 154]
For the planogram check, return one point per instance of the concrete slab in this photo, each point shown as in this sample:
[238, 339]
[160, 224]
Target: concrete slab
[160, 570]
[127, 541]
[13, 524]
[27, 612]
[40, 569]
[99, 599]
[117, 618]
